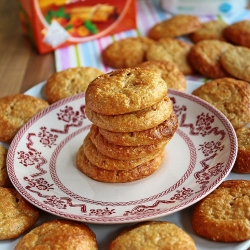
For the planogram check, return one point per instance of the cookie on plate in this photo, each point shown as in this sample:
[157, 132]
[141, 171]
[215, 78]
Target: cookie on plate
[223, 215]
[15, 111]
[4, 178]
[59, 234]
[205, 57]
[69, 82]
[230, 96]
[175, 26]
[160, 235]
[126, 53]
[17, 214]
[238, 33]
[236, 62]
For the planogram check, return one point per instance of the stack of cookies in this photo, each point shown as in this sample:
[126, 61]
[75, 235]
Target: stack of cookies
[133, 120]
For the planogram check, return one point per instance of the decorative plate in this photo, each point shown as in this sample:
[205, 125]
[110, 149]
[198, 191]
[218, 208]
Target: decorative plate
[41, 164]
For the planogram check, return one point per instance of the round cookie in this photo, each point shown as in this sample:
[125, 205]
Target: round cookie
[230, 96]
[242, 163]
[205, 57]
[171, 50]
[125, 90]
[169, 72]
[59, 234]
[117, 176]
[15, 111]
[4, 178]
[160, 235]
[163, 131]
[17, 215]
[175, 26]
[236, 62]
[126, 53]
[134, 121]
[239, 33]
[69, 82]
[223, 215]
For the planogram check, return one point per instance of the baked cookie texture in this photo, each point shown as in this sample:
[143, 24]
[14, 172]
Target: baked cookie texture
[59, 234]
[223, 215]
[4, 178]
[69, 82]
[230, 96]
[15, 111]
[161, 235]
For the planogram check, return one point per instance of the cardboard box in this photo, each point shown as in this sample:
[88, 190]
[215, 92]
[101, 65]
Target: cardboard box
[51, 24]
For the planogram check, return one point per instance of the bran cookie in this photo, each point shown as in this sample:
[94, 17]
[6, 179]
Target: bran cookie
[4, 178]
[230, 96]
[163, 131]
[69, 82]
[160, 235]
[117, 176]
[59, 234]
[242, 163]
[15, 111]
[17, 215]
[125, 90]
[205, 57]
[223, 215]
[175, 26]
[126, 53]
[238, 33]
[169, 72]
[171, 50]
[236, 62]
[134, 121]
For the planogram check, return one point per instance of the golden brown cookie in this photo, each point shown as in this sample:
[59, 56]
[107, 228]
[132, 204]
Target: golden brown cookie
[239, 33]
[175, 26]
[236, 62]
[230, 96]
[126, 53]
[15, 111]
[160, 235]
[117, 176]
[205, 57]
[242, 163]
[223, 215]
[125, 90]
[209, 30]
[171, 50]
[59, 234]
[17, 215]
[69, 82]
[163, 131]
[4, 178]
[169, 72]
[134, 121]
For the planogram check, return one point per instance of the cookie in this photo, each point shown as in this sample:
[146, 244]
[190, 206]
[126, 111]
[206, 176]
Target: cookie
[230, 96]
[17, 215]
[236, 62]
[126, 53]
[69, 82]
[238, 33]
[163, 131]
[160, 235]
[15, 111]
[211, 30]
[59, 234]
[175, 26]
[117, 176]
[205, 57]
[242, 163]
[134, 121]
[124, 91]
[223, 215]
[169, 72]
[173, 51]
[4, 178]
